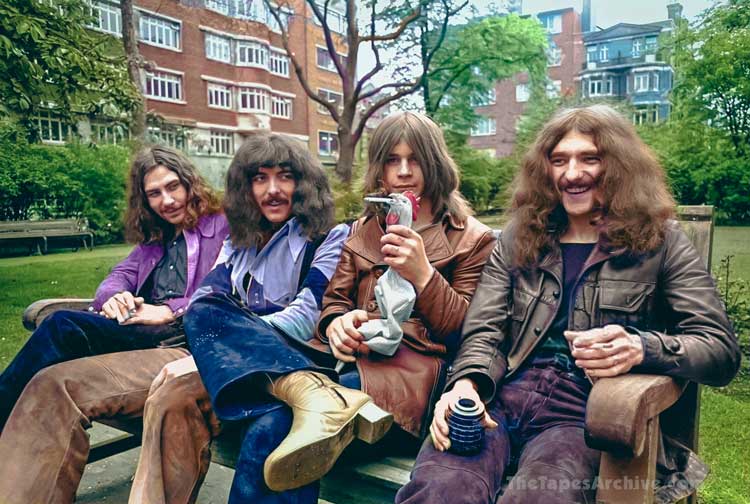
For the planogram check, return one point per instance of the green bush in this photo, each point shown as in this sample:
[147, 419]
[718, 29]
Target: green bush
[735, 291]
[44, 181]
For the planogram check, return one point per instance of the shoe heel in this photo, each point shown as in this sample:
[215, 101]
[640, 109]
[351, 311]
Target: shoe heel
[372, 423]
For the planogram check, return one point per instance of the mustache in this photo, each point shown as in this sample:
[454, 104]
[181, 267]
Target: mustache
[587, 180]
[275, 199]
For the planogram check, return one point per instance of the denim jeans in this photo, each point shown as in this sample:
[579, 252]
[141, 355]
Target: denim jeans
[66, 335]
[540, 414]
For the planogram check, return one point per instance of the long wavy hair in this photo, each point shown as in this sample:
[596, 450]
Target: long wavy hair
[312, 201]
[425, 138]
[636, 201]
[142, 224]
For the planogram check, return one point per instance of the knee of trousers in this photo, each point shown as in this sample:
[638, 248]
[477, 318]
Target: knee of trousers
[178, 396]
[546, 484]
[432, 483]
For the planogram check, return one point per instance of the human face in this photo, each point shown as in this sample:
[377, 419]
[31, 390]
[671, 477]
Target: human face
[575, 169]
[166, 195]
[402, 171]
[273, 188]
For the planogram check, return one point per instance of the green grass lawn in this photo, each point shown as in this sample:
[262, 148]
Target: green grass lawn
[725, 412]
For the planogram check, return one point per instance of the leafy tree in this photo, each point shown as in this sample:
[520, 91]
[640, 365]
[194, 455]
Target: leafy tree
[49, 58]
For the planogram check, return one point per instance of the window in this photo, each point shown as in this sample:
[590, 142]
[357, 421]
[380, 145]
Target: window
[484, 99]
[599, 86]
[640, 82]
[554, 89]
[159, 32]
[221, 6]
[646, 115]
[331, 97]
[108, 133]
[522, 93]
[590, 54]
[166, 136]
[252, 54]
[164, 86]
[328, 143]
[218, 48]
[335, 19]
[274, 25]
[253, 100]
[52, 129]
[219, 96]
[554, 55]
[221, 143]
[325, 61]
[281, 107]
[279, 64]
[650, 45]
[553, 24]
[254, 10]
[636, 48]
[484, 126]
[107, 17]
[603, 53]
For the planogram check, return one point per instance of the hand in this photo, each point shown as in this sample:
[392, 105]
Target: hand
[403, 249]
[148, 314]
[172, 370]
[605, 351]
[464, 388]
[343, 336]
[121, 306]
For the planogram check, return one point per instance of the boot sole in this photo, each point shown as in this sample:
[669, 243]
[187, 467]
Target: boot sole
[311, 462]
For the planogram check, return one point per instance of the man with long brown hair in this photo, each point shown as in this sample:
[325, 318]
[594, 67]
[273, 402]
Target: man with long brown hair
[81, 365]
[592, 278]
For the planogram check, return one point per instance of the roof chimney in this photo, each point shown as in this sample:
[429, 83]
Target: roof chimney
[674, 11]
[586, 16]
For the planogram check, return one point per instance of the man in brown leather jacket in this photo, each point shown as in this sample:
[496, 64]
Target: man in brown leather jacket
[592, 278]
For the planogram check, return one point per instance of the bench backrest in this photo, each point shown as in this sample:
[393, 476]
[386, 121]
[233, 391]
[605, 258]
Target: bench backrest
[12, 227]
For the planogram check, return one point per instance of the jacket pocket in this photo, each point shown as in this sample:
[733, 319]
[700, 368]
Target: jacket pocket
[623, 302]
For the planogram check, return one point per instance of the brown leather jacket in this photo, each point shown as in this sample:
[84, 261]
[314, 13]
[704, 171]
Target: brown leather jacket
[405, 383]
[667, 297]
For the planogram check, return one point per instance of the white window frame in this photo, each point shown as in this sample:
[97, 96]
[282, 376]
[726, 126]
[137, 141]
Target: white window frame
[647, 115]
[253, 10]
[278, 63]
[651, 43]
[220, 6]
[103, 10]
[603, 52]
[600, 86]
[331, 136]
[166, 136]
[552, 24]
[554, 56]
[281, 107]
[484, 99]
[103, 133]
[50, 126]
[160, 32]
[554, 89]
[522, 92]
[336, 19]
[331, 96]
[252, 54]
[636, 51]
[219, 96]
[167, 83]
[641, 82]
[222, 143]
[591, 53]
[331, 66]
[252, 94]
[485, 126]
[218, 47]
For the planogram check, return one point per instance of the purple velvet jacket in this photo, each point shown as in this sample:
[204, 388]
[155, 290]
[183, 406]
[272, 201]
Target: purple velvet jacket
[203, 246]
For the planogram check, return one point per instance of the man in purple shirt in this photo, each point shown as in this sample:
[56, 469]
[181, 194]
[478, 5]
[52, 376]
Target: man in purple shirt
[73, 369]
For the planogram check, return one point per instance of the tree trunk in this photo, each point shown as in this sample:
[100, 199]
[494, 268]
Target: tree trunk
[345, 163]
[133, 56]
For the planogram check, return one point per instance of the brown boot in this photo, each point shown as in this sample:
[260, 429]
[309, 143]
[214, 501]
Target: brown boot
[327, 417]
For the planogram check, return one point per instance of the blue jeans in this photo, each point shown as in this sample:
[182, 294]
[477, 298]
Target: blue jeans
[66, 335]
[263, 435]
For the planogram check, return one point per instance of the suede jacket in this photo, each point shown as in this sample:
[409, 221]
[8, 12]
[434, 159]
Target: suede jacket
[405, 383]
[665, 296]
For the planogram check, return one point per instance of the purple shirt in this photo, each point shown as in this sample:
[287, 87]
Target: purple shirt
[203, 245]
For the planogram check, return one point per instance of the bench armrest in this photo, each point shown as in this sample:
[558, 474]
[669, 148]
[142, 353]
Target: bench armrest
[37, 311]
[618, 409]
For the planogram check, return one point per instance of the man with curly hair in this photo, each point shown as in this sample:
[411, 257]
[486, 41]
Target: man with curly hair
[250, 317]
[592, 278]
[81, 365]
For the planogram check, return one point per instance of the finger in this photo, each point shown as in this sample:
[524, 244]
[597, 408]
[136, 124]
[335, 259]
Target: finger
[108, 310]
[400, 230]
[390, 250]
[359, 317]
[341, 356]
[338, 344]
[596, 351]
[598, 335]
[607, 362]
[129, 300]
[344, 343]
[488, 422]
[440, 421]
[440, 442]
[138, 301]
[392, 239]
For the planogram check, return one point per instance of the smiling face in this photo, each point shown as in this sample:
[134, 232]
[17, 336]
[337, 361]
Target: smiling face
[273, 188]
[166, 195]
[575, 169]
[402, 171]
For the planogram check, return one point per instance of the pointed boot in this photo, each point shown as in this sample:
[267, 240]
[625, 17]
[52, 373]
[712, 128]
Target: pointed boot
[327, 417]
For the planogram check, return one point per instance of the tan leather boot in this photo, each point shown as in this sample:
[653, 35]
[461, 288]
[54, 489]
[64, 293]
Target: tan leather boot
[327, 417]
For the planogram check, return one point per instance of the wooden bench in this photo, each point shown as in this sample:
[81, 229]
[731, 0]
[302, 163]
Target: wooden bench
[38, 233]
[624, 418]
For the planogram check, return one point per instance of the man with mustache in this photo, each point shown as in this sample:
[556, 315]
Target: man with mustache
[78, 366]
[591, 278]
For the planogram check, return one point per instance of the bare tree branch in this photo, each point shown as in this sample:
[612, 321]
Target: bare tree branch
[402, 26]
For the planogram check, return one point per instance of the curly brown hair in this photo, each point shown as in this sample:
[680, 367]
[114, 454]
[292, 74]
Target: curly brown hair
[312, 201]
[425, 138]
[636, 200]
[142, 224]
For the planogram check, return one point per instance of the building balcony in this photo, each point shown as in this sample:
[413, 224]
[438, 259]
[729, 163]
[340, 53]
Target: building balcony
[622, 61]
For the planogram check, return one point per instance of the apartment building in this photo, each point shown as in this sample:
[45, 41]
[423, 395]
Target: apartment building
[501, 109]
[218, 71]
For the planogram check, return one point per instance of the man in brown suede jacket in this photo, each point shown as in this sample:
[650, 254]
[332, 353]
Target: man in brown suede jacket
[591, 278]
